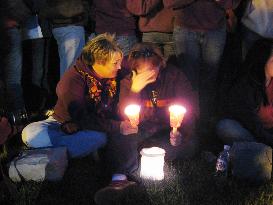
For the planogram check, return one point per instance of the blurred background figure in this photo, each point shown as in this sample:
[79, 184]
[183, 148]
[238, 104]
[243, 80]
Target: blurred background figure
[67, 19]
[247, 113]
[15, 16]
[257, 22]
[114, 17]
[155, 22]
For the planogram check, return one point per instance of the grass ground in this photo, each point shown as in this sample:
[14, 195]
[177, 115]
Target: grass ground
[188, 182]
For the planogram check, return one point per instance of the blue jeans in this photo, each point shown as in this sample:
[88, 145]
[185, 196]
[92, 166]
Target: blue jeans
[70, 40]
[126, 43]
[163, 40]
[230, 131]
[39, 62]
[48, 133]
[199, 50]
[13, 71]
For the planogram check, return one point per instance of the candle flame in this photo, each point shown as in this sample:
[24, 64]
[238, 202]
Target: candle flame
[132, 110]
[177, 109]
[177, 113]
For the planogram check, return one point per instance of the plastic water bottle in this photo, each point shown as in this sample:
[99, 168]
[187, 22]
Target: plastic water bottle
[222, 162]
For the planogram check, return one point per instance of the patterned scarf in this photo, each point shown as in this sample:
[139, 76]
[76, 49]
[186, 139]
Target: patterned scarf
[101, 92]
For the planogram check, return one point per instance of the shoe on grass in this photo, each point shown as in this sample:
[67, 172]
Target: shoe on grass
[114, 191]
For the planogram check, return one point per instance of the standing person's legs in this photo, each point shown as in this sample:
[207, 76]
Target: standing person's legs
[213, 43]
[163, 40]
[48, 133]
[188, 53]
[13, 71]
[70, 40]
[126, 43]
[38, 69]
[248, 39]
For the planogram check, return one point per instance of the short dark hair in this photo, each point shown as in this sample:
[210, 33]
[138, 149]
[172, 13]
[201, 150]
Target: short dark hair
[146, 50]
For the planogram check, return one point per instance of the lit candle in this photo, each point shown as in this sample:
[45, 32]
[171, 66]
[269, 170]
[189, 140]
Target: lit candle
[152, 163]
[132, 112]
[177, 113]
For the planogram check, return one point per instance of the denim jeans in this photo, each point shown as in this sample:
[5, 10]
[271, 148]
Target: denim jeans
[13, 71]
[70, 40]
[123, 151]
[39, 62]
[199, 55]
[199, 51]
[48, 133]
[163, 40]
[126, 43]
[230, 131]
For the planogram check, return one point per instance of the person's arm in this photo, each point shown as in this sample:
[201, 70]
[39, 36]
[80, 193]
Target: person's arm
[81, 115]
[142, 7]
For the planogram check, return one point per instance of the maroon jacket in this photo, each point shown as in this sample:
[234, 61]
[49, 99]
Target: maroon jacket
[172, 87]
[154, 17]
[201, 15]
[113, 16]
[75, 104]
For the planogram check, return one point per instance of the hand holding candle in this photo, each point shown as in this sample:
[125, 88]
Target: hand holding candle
[132, 112]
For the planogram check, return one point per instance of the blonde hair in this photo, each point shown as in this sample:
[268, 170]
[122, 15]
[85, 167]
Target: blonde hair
[100, 49]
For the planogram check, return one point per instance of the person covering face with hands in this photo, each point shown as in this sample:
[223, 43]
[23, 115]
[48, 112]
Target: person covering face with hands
[154, 85]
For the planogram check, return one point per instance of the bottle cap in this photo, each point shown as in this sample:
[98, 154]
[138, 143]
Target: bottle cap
[226, 147]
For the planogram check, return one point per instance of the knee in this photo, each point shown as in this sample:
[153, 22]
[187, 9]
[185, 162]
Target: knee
[26, 135]
[34, 136]
[224, 129]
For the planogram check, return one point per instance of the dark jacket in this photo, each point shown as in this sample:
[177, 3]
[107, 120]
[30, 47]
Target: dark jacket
[113, 16]
[153, 16]
[17, 10]
[172, 87]
[62, 12]
[200, 15]
[75, 104]
[243, 103]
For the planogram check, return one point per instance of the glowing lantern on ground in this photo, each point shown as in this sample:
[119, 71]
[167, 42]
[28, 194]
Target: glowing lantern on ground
[152, 163]
[132, 112]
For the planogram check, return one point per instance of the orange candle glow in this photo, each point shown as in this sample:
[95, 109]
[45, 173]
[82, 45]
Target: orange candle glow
[177, 113]
[132, 112]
